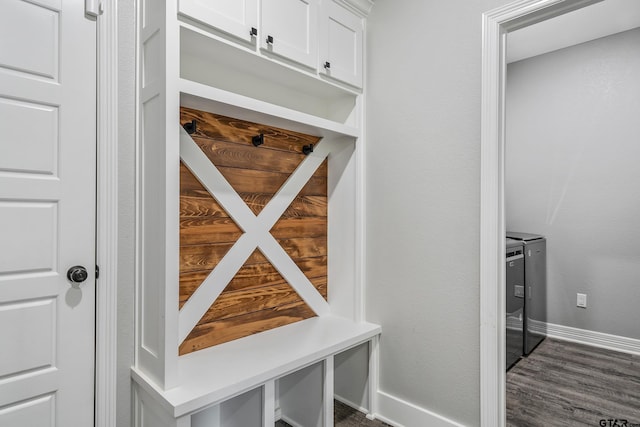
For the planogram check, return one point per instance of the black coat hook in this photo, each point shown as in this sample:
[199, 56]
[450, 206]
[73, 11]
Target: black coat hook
[190, 127]
[307, 149]
[257, 140]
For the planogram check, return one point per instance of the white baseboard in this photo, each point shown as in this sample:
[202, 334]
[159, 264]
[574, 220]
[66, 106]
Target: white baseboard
[351, 404]
[592, 338]
[399, 413]
[289, 421]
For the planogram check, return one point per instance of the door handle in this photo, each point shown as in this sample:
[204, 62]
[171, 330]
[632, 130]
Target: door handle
[77, 274]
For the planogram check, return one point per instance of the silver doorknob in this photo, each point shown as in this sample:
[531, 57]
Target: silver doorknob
[77, 274]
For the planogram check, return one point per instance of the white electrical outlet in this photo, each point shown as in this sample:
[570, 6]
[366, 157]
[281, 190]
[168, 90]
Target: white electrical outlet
[582, 300]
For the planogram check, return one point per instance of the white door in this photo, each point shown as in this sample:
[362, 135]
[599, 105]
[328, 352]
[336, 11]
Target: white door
[47, 213]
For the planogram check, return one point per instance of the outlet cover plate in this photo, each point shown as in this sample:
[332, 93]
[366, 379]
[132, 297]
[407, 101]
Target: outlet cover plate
[582, 300]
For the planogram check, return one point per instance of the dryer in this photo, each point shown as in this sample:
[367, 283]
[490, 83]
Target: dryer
[535, 277]
[515, 301]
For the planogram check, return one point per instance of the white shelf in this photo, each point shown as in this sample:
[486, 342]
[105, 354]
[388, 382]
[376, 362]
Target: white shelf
[208, 98]
[215, 374]
[212, 60]
[198, 41]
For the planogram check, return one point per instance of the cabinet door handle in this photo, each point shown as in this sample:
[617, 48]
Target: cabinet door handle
[253, 32]
[327, 65]
[269, 40]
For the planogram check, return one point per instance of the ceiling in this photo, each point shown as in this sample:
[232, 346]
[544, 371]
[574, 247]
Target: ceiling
[589, 23]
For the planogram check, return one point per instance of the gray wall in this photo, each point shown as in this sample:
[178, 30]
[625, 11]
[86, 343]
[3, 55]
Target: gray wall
[126, 206]
[423, 200]
[573, 145]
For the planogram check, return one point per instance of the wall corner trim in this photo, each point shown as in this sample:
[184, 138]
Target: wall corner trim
[107, 218]
[361, 7]
[400, 413]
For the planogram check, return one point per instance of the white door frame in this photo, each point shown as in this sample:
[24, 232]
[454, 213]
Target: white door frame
[107, 216]
[496, 24]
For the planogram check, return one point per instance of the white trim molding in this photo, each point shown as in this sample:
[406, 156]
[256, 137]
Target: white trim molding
[593, 338]
[401, 413]
[353, 405]
[495, 25]
[107, 216]
[361, 7]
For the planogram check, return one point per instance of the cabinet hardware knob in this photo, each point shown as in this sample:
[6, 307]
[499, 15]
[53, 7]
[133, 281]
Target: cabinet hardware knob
[253, 32]
[307, 149]
[269, 40]
[327, 65]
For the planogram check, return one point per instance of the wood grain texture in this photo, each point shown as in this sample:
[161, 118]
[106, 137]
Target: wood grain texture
[221, 128]
[254, 275]
[196, 201]
[243, 301]
[207, 256]
[241, 326]
[258, 298]
[244, 180]
[569, 384]
[242, 156]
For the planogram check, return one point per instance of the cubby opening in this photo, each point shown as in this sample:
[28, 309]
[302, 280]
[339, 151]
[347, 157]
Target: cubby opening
[351, 377]
[244, 410]
[300, 397]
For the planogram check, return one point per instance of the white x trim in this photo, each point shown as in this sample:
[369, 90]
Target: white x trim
[256, 232]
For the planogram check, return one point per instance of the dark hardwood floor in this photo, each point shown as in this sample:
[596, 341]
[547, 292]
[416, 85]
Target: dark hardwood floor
[561, 384]
[345, 416]
[566, 384]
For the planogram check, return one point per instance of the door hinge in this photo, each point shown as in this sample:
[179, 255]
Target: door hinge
[93, 8]
[97, 271]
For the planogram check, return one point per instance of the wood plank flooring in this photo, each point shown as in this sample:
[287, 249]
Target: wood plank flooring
[566, 384]
[345, 416]
[561, 384]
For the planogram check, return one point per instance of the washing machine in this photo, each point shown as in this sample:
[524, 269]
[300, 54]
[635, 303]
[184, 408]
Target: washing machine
[515, 293]
[535, 277]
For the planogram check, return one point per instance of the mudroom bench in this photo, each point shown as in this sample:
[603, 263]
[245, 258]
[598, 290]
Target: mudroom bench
[285, 373]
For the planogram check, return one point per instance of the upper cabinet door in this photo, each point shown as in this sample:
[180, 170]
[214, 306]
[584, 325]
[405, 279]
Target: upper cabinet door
[235, 17]
[341, 44]
[289, 29]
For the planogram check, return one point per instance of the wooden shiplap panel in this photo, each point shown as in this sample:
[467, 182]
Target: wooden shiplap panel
[221, 128]
[242, 326]
[253, 275]
[258, 298]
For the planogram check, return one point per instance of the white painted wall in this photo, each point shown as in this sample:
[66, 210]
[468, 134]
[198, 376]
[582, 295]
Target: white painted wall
[573, 145]
[423, 157]
[423, 196]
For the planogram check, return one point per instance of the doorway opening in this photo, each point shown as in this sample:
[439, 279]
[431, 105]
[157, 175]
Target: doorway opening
[497, 24]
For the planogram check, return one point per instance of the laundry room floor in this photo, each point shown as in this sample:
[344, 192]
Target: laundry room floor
[567, 384]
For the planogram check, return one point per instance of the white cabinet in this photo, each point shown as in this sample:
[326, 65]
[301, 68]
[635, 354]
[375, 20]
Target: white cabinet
[236, 17]
[326, 37]
[341, 44]
[290, 29]
[255, 379]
